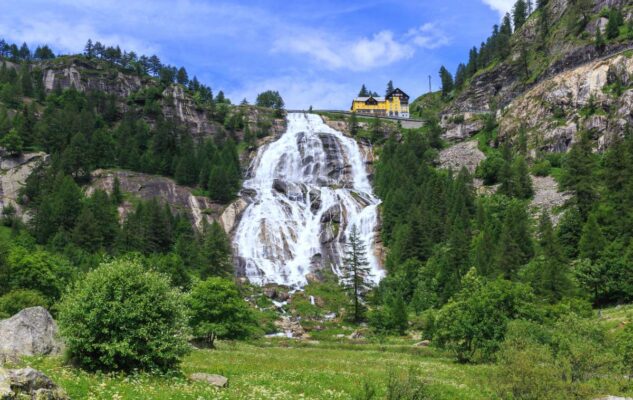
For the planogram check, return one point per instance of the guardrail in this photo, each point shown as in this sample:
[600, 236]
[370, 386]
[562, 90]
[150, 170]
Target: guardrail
[349, 113]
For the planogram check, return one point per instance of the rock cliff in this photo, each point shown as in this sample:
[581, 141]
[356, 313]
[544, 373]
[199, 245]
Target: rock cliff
[596, 97]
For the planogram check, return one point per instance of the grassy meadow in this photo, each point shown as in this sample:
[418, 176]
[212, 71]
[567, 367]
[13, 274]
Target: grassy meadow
[283, 370]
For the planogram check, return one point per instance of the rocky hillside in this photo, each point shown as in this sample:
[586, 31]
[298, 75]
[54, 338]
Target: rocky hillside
[555, 82]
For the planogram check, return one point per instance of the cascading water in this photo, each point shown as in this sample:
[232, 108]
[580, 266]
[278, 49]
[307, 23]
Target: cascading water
[308, 189]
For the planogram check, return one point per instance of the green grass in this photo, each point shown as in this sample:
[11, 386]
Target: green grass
[616, 317]
[282, 370]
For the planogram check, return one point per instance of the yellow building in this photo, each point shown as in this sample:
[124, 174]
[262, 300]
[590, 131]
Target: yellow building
[395, 104]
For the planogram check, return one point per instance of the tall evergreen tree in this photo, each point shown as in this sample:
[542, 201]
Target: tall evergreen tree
[363, 91]
[389, 88]
[579, 174]
[447, 82]
[356, 271]
[216, 252]
[519, 14]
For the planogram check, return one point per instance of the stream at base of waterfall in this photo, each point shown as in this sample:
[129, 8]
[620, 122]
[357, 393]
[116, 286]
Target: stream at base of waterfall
[306, 191]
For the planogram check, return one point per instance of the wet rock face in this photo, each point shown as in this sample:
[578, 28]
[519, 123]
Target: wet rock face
[30, 332]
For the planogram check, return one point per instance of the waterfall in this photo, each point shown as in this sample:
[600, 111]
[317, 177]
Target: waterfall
[307, 189]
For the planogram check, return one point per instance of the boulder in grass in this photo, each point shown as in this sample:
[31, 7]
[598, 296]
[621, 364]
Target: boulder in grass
[30, 332]
[212, 379]
[28, 383]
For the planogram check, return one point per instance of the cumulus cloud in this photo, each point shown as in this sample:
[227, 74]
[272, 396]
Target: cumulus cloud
[363, 54]
[428, 36]
[501, 6]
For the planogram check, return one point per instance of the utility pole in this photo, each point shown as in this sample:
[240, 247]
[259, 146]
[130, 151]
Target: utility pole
[430, 89]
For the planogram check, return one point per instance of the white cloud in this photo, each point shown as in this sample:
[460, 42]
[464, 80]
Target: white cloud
[501, 6]
[363, 54]
[428, 36]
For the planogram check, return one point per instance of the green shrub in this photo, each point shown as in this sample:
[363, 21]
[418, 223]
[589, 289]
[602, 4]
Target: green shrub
[123, 317]
[489, 169]
[218, 311]
[528, 372]
[19, 299]
[542, 168]
[473, 324]
[37, 270]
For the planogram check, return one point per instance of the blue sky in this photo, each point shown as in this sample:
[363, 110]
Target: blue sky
[314, 52]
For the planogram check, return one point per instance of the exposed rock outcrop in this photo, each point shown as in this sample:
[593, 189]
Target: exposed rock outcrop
[30, 332]
[28, 383]
[13, 173]
[180, 106]
[146, 187]
[554, 111]
[86, 76]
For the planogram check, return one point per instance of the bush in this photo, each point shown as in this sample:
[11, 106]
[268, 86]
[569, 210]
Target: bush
[569, 358]
[37, 270]
[542, 168]
[489, 169]
[218, 311]
[123, 317]
[473, 325]
[17, 300]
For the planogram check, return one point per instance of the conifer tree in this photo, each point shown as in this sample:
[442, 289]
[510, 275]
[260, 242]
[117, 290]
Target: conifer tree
[592, 241]
[355, 272]
[519, 14]
[579, 174]
[216, 253]
[26, 80]
[613, 26]
[549, 273]
[182, 77]
[363, 91]
[389, 88]
[599, 40]
[447, 82]
[353, 124]
[515, 243]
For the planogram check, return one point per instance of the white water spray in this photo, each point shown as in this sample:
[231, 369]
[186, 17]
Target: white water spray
[310, 188]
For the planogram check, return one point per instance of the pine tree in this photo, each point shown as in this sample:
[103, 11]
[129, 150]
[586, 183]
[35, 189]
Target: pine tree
[117, 195]
[353, 125]
[519, 14]
[522, 185]
[216, 252]
[579, 175]
[389, 88]
[89, 49]
[613, 26]
[548, 273]
[599, 41]
[182, 77]
[363, 91]
[447, 82]
[355, 272]
[592, 241]
[515, 243]
[26, 80]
